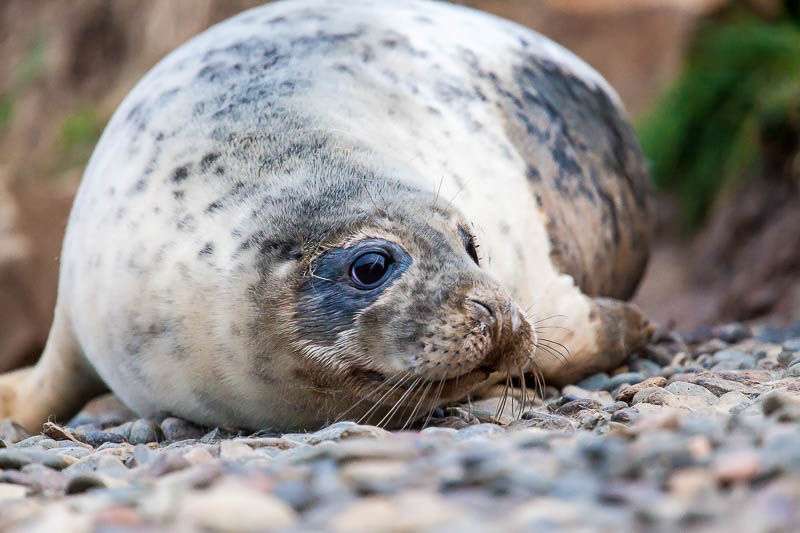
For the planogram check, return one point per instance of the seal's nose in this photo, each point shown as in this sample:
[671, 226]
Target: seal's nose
[485, 313]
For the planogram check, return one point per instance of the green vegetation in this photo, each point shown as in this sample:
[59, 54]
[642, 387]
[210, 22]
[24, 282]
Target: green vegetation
[33, 64]
[740, 91]
[6, 110]
[79, 132]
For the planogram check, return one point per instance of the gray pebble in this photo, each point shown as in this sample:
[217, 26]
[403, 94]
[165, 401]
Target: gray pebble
[614, 407]
[482, 430]
[11, 432]
[657, 354]
[570, 408]
[594, 382]
[625, 416]
[654, 395]
[629, 378]
[685, 388]
[732, 360]
[733, 333]
[30, 441]
[16, 459]
[143, 431]
[176, 429]
[785, 358]
[105, 464]
[793, 371]
[792, 345]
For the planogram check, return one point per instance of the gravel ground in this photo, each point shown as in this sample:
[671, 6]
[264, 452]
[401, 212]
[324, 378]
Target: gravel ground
[697, 433]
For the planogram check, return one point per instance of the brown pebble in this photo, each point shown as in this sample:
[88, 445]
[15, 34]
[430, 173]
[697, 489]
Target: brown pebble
[737, 467]
[627, 394]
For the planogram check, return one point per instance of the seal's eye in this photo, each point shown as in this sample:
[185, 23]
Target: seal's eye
[370, 270]
[473, 253]
[469, 244]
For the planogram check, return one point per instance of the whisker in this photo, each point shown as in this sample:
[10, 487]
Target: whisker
[379, 401]
[419, 402]
[399, 402]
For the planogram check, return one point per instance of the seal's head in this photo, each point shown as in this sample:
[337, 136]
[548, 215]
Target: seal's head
[390, 303]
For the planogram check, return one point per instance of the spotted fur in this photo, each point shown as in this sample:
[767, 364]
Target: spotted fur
[202, 270]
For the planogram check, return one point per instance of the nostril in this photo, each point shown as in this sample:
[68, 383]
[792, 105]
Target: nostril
[483, 308]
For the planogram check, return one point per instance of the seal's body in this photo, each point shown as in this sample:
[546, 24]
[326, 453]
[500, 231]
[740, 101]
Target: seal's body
[315, 203]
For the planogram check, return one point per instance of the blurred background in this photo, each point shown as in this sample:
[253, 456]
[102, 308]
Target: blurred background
[713, 87]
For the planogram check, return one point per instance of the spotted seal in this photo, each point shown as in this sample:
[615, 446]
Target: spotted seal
[364, 209]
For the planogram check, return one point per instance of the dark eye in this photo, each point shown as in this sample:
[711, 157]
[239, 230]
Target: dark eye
[473, 253]
[469, 244]
[370, 270]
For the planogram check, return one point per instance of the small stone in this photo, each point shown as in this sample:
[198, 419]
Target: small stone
[653, 395]
[732, 360]
[785, 358]
[792, 345]
[648, 368]
[234, 508]
[793, 371]
[11, 432]
[16, 459]
[627, 394]
[737, 466]
[481, 430]
[733, 332]
[657, 354]
[167, 462]
[11, 492]
[572, 393]
[689, 483]
[629, 415]
[143, 431]
[594, 382]
[536, 419]
[30, 441]
[105, 464]
[346, 430]
[573, 407]
[197, 455]
[295, 493]
[721, 386]
[176, 429]
[629, 378]
[684, 388]
[373, 473]
[733, 400]
[685, 401]
[231, 450]
[616, 406]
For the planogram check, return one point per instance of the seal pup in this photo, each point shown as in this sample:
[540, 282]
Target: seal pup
[358, 209]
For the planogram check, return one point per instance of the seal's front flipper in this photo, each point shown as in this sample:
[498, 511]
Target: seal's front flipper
[596, 338]
[56, 388]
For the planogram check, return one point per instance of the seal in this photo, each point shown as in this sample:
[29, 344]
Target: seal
[363, 209]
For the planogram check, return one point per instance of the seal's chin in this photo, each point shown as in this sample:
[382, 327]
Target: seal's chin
[447, 389]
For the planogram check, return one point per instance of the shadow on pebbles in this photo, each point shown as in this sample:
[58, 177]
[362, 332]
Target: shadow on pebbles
[695, 433]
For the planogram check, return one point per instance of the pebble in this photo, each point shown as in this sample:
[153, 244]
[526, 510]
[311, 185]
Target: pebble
[654, 395]
[792, 345]
[627, 415]
[143, 431]
[626, 378]
[11, 432]
[234, 508]
[175, 429]
[732, 360]
[627, 393]
[715, 447]
[682, 388]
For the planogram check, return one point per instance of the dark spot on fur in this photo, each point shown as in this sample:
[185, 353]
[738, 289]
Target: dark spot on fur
[532, 173]
[208, 160]
[180, 174]
[178, 194]
[207, 250]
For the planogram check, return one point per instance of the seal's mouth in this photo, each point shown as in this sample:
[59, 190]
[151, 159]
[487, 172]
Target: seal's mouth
[450, 388]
